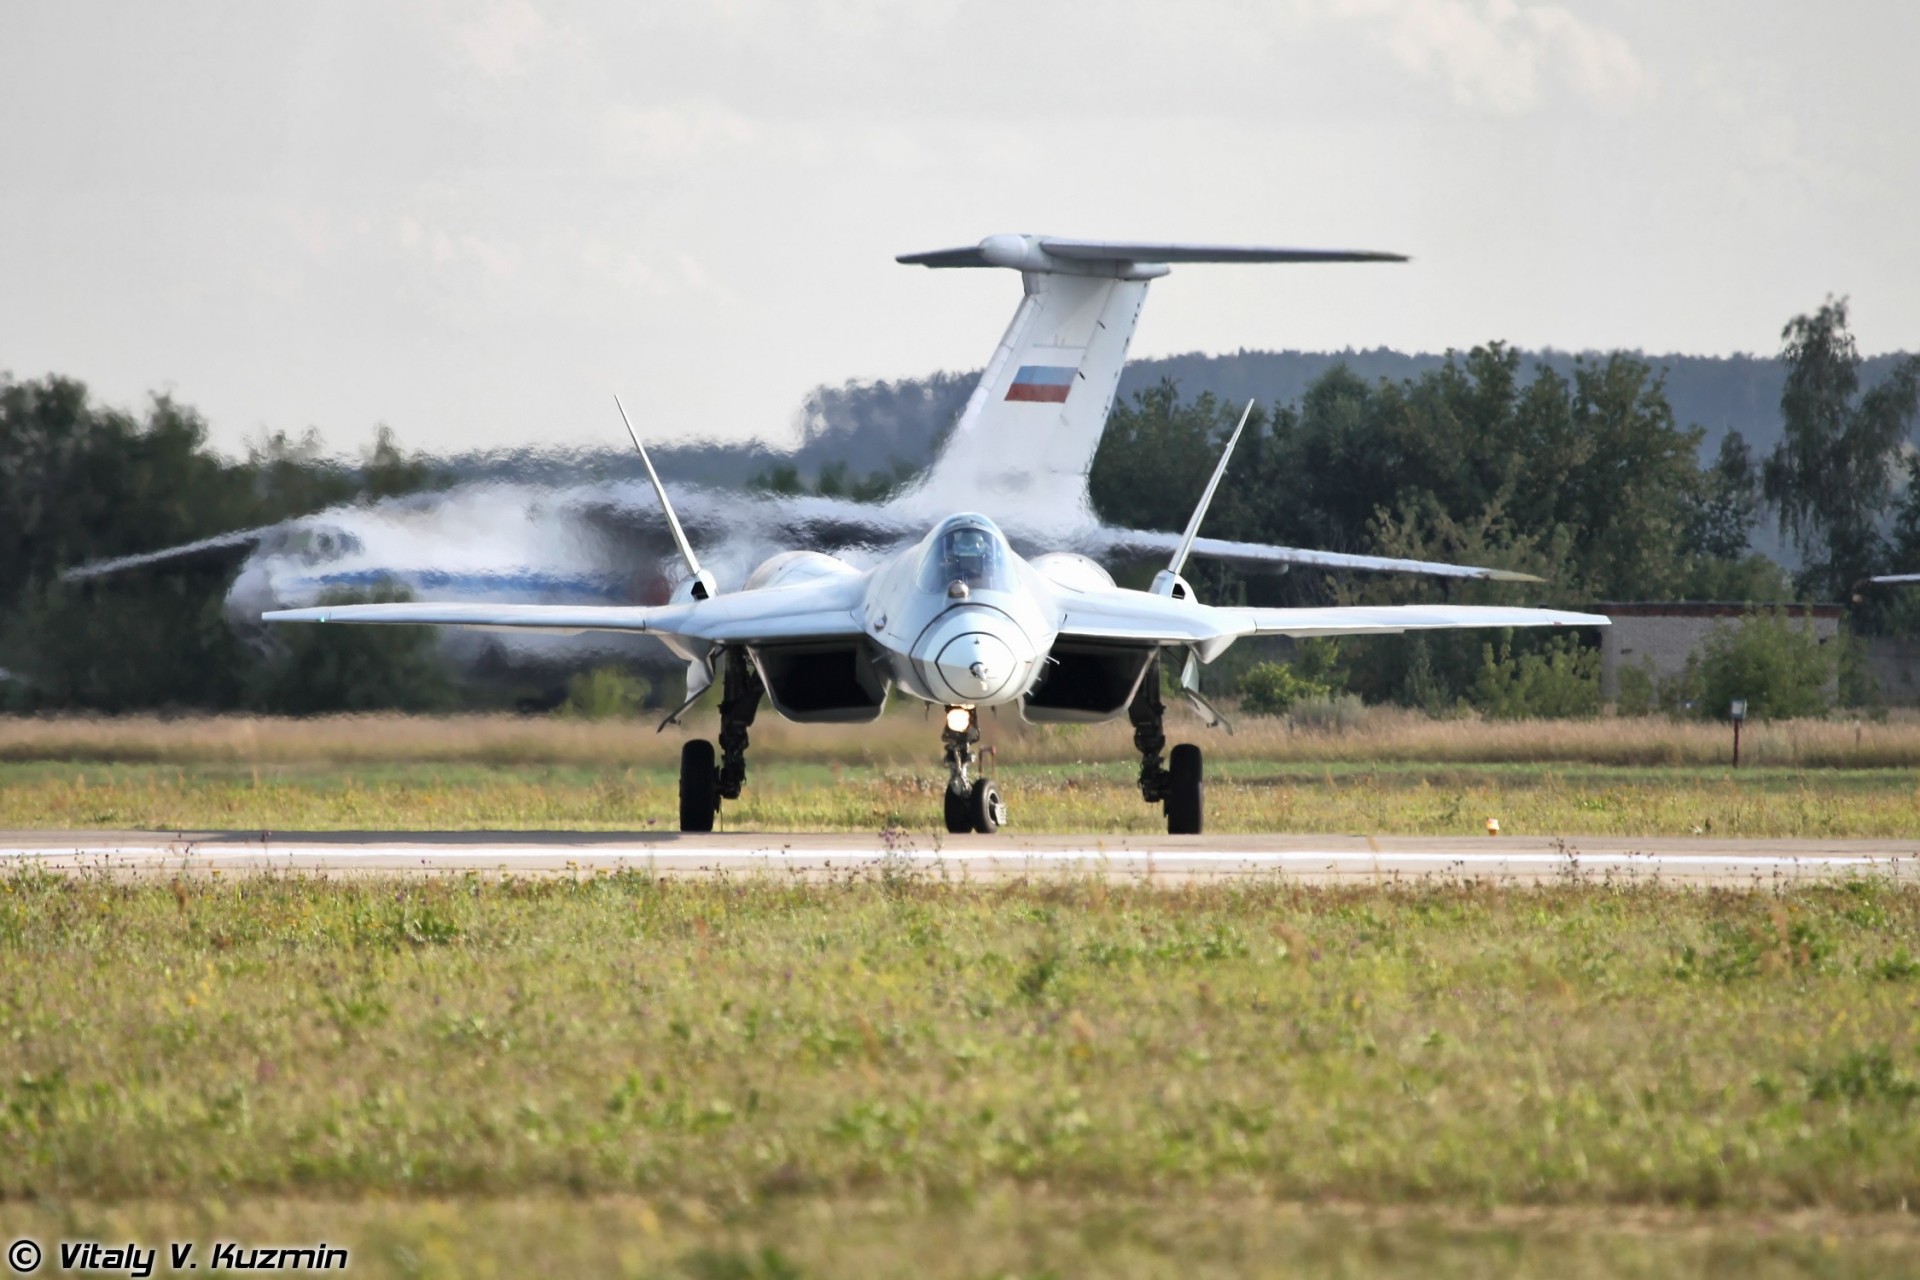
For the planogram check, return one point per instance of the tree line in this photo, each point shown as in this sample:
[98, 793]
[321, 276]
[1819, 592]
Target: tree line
[1582, 477]
[81, 482]
[1578, 471]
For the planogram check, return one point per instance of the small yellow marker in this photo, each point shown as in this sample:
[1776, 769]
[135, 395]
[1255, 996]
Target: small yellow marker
[1493, 826]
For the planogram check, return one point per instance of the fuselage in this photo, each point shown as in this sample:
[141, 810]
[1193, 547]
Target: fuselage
[957, 618]
[961, 629]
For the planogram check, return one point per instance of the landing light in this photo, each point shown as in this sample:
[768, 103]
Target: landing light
[958, 718]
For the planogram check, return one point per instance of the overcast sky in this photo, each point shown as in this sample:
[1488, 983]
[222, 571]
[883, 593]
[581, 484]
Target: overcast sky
[475, 222]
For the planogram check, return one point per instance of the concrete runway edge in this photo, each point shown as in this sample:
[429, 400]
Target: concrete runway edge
[1008, 855]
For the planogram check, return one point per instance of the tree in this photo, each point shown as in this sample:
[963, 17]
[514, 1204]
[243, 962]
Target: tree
[1781, 670]
[1830, 476]
[1727, 503]
[387, 470]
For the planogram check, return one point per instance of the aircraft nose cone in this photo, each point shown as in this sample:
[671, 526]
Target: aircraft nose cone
[975, 665]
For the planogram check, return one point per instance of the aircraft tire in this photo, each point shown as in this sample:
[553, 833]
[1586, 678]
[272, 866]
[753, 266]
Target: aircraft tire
[699, 786]
[959, 812]
[985, 808]
[1186, 793]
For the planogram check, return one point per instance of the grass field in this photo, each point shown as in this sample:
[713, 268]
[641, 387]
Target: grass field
[905, 737]
[1397, 773]
[897, 1076]
[1242, 796]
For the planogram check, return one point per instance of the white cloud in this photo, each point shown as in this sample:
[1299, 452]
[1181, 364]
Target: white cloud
[681, 131]
[501, 40]
[1498, 54]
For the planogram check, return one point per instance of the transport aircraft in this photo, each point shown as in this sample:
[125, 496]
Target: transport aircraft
[959, 617]
[1020, 452]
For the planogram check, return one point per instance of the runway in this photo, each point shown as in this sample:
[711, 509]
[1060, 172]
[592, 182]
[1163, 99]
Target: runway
[1154, 859]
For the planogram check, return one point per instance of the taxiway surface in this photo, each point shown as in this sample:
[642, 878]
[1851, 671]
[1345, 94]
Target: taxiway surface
[1008, 855]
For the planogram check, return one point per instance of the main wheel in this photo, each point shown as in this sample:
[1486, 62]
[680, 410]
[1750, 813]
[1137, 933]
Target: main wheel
[959, 811]
[1185, 792]
[986, 808]
[699, 786]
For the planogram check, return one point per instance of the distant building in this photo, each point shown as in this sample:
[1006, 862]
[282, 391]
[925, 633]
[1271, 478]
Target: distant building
[1665, 634]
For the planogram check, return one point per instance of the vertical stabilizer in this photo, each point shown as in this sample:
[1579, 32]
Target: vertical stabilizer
[1025, 442]
[1026, 438]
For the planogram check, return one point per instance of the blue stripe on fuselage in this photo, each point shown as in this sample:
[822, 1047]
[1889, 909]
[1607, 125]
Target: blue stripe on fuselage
[598, 587]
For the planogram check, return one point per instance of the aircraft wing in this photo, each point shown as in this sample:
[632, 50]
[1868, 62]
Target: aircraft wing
[816, 610]
[1137, 615]
[1387, 619]
[709, 515]
[1894, 579]
[225, 546]
[1255, 555]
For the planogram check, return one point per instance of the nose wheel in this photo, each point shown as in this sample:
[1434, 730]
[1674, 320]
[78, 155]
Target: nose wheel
[972, 804]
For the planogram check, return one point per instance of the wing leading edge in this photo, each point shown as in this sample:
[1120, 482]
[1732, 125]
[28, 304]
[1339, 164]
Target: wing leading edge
[1153, 542]
[820, 610]
[1120, 615]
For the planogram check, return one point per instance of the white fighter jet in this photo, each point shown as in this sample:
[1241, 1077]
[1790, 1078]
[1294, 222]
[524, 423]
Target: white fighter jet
[1020, 452]
[958, 619]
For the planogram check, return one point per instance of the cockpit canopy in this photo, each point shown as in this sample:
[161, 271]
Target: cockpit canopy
[970, 550]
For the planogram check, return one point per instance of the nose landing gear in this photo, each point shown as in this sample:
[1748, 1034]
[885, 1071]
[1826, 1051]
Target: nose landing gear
[971, 805]
[1179, 789]
[702, 785]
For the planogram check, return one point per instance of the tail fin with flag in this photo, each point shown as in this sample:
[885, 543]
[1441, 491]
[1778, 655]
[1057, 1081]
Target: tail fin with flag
[1027, 436]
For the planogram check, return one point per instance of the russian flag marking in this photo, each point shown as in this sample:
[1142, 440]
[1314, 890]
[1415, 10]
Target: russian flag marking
[1045, 382]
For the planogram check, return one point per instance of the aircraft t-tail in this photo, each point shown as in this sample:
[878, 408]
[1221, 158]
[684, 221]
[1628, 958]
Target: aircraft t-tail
[958, 619]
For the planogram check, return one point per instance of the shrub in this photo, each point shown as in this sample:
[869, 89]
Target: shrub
[604, 693]
[1341, 713]
[1272, 688]
[1561, 681]
[1639, 690]
[1780, 669]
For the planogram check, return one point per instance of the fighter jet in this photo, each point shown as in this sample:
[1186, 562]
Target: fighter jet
[958, 619]
[1020, 452]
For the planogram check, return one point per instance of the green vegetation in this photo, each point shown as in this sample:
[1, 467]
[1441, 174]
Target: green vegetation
[1242, 796]
[1560, 680]
[1779, 668]
[1831, 477]
[604, 693]
[80, 482]
[1272, 688]
[1581, 475]
[894, 1074]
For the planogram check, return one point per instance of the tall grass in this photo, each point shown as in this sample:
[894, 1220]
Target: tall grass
[906, 737]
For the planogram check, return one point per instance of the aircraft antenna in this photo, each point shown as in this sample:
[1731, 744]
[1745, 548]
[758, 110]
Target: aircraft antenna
[1185, 549]
[673, 521]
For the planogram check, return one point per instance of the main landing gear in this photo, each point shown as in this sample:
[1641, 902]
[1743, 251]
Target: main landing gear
[703, 785]
[1176, 785]
[972, 804]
